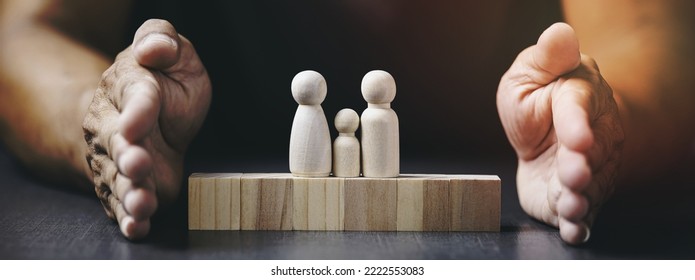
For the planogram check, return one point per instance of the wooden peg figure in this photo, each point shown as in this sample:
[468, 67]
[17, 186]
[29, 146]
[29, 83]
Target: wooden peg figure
[380, 138]
[310, 139]
[346, 148]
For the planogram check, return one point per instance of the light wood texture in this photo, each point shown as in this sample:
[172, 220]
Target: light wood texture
[370, 204]
[346, 147]
[410, 204]
[194, 201]
[268, 201]
[318, 203]
[207, 202]
[475, 203]
[213, 200]
[436, 214]
[310, 139]
[227, 201]
[380, 134]
[423, 204]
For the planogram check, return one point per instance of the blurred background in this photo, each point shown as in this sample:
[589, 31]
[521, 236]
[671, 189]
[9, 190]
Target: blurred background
[446, 56]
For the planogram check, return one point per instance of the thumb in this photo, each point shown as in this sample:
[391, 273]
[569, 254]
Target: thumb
[557, 51]
[524, 121]
[555, 54]
[157, 44]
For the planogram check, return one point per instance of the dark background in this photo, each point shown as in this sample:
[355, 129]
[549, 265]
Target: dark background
[446, 56]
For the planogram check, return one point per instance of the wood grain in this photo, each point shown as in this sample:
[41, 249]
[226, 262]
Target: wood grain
[272, 201]
[475, 203]
[194, 201]
[410, 204]
[370, 204]
[318, 203]
[266, 202]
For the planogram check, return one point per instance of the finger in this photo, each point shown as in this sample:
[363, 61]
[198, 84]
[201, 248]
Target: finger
[572, 206]
[574, 171]
[524, 103]
[532, 197]
[157, 44]
[138, 201]
[555, 54]
[131, 160]
[570, 108]
[131, 228]
[574, 233]
[140, 109]
[558, 50]
[135, 163]
[141, 203]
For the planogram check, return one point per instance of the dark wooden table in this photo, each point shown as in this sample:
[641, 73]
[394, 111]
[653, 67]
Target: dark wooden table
[42, 221]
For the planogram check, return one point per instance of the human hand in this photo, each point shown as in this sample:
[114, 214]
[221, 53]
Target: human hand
[149, 105]
[562, 119]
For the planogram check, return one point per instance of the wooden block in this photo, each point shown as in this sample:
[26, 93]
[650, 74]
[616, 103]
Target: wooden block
[207, 202]
[436, 214]
[318, 203]
[371, 204]
[410, 204]
[266, 202]
[227, 201]
[300, 204]
[335, 205]
[423, 202]
[194, 201]
[212, 199]
[475, 202]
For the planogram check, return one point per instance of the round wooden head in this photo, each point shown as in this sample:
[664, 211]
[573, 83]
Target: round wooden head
[309, 88]
[347, 121]
[378, 87]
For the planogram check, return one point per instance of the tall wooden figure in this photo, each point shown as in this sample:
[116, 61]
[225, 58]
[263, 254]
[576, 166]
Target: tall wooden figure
[346, 148]
[380, 138]
[310, 140]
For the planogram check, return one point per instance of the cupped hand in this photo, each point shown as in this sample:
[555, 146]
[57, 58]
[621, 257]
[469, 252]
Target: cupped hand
[562, 119]
[149, 105]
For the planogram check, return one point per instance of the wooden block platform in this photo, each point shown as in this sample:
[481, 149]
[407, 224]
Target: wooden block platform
[277, 201]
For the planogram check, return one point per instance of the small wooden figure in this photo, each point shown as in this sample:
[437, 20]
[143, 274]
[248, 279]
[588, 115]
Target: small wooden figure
[310, 139]
[346, 148]
[380, 138]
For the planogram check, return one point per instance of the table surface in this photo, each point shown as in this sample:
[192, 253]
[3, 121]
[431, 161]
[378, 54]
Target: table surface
[43, 221]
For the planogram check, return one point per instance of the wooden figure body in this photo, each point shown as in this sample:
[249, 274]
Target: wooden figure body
[346, 147]
[380, 137]
[310, 140]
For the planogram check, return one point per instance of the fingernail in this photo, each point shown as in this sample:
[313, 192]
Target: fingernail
[126, 226]
[588, 234]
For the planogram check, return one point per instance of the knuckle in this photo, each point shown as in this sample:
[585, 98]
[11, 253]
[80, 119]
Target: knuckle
[589, 61]
[107, 73]
[88, 124]
[95, 165]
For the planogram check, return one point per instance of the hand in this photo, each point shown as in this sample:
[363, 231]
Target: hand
[562, 119]
[148, 107]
